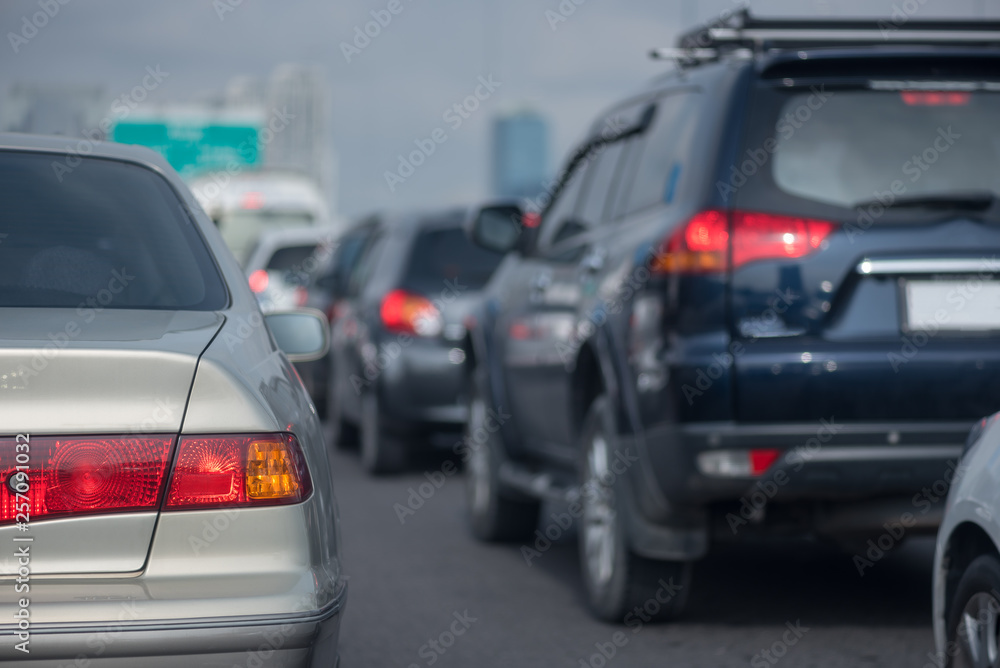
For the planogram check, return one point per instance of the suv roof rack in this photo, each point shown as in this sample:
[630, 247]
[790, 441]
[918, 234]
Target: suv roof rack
[744, 34]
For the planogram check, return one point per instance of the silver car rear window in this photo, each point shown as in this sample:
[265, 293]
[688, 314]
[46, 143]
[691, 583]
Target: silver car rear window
[106, 230]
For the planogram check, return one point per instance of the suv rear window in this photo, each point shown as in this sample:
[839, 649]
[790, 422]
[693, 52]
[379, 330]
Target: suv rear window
[108, 231]
[291, 257]
[844, 148]
[447, 254]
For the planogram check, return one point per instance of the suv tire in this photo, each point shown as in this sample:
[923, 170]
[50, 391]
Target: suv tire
[493, 513]
[616, 580]
[381, 451]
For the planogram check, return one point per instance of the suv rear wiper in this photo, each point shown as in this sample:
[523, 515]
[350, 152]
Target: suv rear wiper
[973, 200]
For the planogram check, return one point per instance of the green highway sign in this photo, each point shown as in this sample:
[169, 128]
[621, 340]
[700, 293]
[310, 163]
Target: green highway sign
[194, 146]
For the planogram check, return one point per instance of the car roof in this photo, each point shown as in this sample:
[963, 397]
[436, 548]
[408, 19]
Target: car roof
[414, 219]
[298, 235]
[83, 147]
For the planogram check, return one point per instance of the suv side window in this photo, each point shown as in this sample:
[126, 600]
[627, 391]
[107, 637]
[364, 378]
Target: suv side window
[593, 208]
[345, 256]
[358, 273]
[659, 169]
[559, 221]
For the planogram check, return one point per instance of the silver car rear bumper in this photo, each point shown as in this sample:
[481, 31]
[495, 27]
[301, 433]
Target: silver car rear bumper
[293, 641]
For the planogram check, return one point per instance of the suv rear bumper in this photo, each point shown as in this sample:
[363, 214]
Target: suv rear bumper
[824, 460]
[845, 481]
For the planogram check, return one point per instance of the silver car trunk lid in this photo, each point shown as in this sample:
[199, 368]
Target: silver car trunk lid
[81, 372]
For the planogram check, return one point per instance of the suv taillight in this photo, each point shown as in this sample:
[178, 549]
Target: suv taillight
[768, 236]
[712, 239]
[410, 313]
[92, 475]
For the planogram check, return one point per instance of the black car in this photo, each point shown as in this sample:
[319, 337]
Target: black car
[762, 299]
[398, 377]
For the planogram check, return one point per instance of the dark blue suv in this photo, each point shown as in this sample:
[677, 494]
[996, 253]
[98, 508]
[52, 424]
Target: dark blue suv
[763, 298]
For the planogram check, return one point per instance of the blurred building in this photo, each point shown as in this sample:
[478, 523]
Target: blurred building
[295, 104]
[64, 110]
[520, 154]
[244, 92]
[305, 144]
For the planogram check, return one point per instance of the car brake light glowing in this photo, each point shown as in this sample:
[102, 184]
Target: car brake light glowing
[531, 219]
[933, 98]
[699, 247]
[767, 236]
[258, 281]
[406, 312]
[253, 200]
[84, 475]
[713, 240]
[238, 470]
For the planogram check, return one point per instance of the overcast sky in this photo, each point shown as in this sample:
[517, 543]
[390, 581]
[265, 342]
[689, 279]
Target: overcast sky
[397, 88]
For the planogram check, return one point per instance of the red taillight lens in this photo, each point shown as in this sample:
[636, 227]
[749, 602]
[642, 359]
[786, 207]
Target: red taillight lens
[712, 240]
[84, 475]
[81, 475]
[258, 281]
[406, 312]
[935, 98]
[252, 200]
[239, 470]
[761, 460]
[701, 246]
[767, 236]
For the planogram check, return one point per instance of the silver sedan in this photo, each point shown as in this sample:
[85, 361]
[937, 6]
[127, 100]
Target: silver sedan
[165, 492]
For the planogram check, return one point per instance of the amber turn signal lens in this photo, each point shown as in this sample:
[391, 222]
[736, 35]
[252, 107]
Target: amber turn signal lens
[271, 471]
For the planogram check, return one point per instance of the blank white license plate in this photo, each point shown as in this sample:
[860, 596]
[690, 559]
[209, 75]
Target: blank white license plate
[968, 305]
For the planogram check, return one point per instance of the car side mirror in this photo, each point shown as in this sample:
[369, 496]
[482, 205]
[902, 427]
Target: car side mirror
[496, 227]
[301, 334]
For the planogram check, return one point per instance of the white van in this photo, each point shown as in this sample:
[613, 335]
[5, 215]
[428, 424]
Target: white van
[247, 204]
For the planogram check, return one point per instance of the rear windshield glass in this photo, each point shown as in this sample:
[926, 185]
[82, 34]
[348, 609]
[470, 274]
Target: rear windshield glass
[847, 148]
[447, 254]
[104, 230]
[291, 258]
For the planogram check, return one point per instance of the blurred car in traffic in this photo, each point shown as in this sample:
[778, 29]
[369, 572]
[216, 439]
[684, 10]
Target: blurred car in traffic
[324, 287]
[763, 299]
[330, 278]
[252, 202]
[282, 262]
[279, 271]
[397, 362]
[164, 473]
[967, 559]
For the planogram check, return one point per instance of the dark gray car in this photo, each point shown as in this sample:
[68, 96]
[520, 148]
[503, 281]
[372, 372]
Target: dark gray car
[398, 364]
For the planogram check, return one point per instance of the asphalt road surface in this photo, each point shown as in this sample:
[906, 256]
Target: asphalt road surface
[424, 593]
